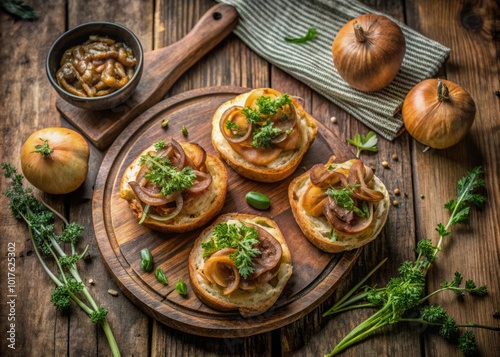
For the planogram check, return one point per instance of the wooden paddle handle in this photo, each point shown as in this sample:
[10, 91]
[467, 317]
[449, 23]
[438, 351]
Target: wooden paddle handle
[167, 64]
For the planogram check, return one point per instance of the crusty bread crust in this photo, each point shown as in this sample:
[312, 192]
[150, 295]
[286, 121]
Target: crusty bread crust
[247, 302]
[280, 168]
[196, 212]
[317, 229]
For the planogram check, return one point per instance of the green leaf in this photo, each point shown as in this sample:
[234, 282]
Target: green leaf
[19, 8]
[364, 143]
[310, 35]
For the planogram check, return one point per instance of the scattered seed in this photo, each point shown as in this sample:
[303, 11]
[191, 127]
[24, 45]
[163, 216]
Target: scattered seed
[184, 131]
[164, 124]
[395, 203]
[91, 281]
[497, 93]
[397, 192]
[422, 196]
[496, 315]
[395, 157]
[333, 120]
[113, 292]
[385, 164]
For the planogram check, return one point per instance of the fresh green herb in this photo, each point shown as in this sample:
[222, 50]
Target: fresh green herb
[167, 177]
[344, 199]
[164, 124]
[240, 237]
[310, 35]
[147, 261]
[263, 133]
[231, 125]
[266, 133]
[48, 245]
[181, 287]
[18, 8]
[184, 131]
[160, 144]
[364, 143]
[405, 293]
[160, 276]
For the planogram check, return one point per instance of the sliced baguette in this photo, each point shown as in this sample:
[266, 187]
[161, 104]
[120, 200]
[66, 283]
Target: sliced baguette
[317, 229]
[281, 167]
[195, 213]
[247, 302]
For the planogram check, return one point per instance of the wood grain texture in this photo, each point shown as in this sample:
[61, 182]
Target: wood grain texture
[162, 67]
[469, 28]
[120, 238]
[472, 249]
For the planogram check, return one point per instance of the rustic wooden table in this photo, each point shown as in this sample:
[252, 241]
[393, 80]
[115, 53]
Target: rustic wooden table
[469, 28]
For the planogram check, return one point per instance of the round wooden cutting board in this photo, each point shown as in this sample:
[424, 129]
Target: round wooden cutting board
[120, 238]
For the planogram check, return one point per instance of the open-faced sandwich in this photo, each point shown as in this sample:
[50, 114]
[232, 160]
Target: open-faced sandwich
[263, 134]
[175, 187]
[241, 262]
[339, 206]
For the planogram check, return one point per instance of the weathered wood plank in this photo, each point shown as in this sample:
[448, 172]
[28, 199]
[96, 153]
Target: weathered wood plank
[315, 335]
[26, 107]
[472, 34]
[230, 63]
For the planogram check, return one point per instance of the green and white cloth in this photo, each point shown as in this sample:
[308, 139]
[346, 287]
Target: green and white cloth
[264, 24]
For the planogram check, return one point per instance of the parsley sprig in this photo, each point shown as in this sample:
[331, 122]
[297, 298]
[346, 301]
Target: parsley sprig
[264, 132]
[343, 198]
[166, 176]
[48, 245]
[406, 292]
[241, 237]
[364, 143]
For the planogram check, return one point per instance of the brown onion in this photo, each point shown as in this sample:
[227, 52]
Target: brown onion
[438, 113]
[368, 52]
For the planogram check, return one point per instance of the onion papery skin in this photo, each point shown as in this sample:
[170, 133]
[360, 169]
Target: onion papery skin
[65, 169]
[436, 123]
[372, 64]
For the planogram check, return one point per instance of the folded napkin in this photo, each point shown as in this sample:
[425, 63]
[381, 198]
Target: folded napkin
[264, 24]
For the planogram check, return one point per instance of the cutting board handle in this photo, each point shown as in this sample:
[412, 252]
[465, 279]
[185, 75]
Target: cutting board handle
[167, 64]
[162, 68]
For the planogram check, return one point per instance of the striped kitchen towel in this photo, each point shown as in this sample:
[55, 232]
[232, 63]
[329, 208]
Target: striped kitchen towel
[264, 24]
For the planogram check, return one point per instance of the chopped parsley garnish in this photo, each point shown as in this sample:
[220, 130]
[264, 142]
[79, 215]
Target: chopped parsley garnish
[240, 237]
[164, 175]
[264, 133]
[344, 199]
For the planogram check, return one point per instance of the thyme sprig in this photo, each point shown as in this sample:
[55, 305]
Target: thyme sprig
[47, 244]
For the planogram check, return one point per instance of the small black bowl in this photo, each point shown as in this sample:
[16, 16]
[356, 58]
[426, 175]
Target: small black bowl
[77, 36]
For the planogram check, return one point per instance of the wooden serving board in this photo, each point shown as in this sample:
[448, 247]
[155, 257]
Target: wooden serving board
[120, 238]
[162, 68]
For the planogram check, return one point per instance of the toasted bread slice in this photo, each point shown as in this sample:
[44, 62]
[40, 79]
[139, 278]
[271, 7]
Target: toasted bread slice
[317, 229]
[246, 302]
[197, 211]
[283, 165]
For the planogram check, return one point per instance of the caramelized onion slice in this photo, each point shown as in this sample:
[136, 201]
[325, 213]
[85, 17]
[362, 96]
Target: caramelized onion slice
[362, 192]
[178, 158]
[242, 127]
[355, 225]
[219, 268]
[179, 203]
[201, 183]
[285, 120]
[144, 197]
